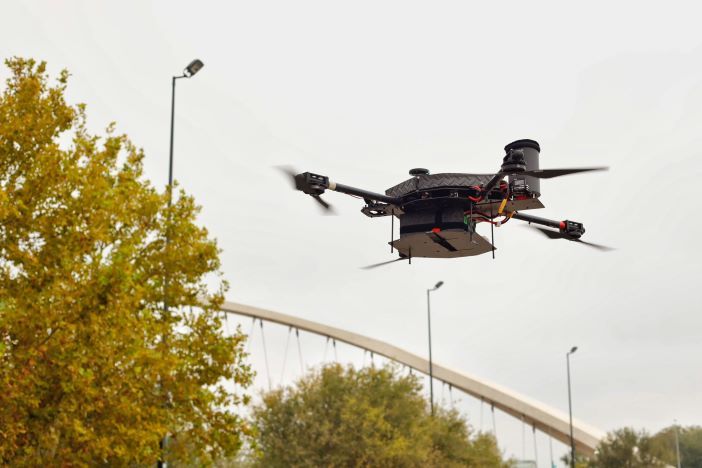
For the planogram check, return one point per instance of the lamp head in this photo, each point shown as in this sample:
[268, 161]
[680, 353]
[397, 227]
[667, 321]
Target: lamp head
[193, 67]
[438, 285]
[573, 349]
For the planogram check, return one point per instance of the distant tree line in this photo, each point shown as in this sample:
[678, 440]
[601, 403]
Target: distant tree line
[629, 448]
[342, 416]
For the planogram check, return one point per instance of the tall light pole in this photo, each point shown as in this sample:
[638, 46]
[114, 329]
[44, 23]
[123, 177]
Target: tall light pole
[189, 71]
[570, 408]
[431, 368]
[677, 443]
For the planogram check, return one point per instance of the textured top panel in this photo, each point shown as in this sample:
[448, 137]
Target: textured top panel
[451, 179]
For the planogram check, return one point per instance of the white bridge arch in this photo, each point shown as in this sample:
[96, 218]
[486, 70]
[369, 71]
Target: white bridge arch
[536, 414]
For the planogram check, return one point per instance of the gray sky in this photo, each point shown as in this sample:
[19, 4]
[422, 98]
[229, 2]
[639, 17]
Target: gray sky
[364, 91]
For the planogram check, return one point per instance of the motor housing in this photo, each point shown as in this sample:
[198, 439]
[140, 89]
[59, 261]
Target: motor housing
[531, 151]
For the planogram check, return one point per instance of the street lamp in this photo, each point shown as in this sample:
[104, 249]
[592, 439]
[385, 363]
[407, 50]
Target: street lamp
[431, 369]
[570, 408]
[189, 71]
[193, 67]
[677, 443]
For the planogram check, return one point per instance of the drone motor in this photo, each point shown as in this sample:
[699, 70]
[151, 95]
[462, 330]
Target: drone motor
[530, 150]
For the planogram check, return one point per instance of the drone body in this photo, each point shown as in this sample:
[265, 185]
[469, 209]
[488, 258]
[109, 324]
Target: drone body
[438, 213]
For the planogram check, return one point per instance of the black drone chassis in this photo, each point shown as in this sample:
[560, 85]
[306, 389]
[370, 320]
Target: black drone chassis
[438, 213]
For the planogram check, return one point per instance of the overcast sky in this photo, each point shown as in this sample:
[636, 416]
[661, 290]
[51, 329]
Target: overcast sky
[364, 91]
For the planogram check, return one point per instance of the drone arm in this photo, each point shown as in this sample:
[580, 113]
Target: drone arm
[570, 229]
[365, 194]
[541, 221]
[316, 184]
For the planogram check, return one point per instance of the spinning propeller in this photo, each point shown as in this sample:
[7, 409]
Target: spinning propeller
[309, 185]
[564, 235]
[515, 164]
[551, 173]
[376, 265]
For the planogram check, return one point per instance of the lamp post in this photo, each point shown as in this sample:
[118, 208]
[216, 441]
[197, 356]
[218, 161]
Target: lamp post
[570, 408]
[431, 369]
[677, 443]
[189, 71]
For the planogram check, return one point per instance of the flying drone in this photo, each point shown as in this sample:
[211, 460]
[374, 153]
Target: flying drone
[438, 213]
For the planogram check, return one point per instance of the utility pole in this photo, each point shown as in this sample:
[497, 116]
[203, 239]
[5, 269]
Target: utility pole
[677, 442]
[570, 408]
[431, 367]
[189, 71]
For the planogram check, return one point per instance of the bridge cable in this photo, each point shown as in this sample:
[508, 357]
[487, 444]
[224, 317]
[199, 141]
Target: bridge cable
[249, 338]
[265, 356]
[494, 426]
[326, 347]
[550, 447]
[451, 395]
[285, 356]
[227, 328]
[299, 350]
[536, 453]
[523, 439]
[482, 406]
[336, 358]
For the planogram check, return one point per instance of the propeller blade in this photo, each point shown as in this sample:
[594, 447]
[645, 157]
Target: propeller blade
[292, 174]
[551, 234]
[551, 173]
[326, 206]
[376, 265]
[601, 247]
[288, 171]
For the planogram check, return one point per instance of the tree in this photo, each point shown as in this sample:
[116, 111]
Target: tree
[581, 461]
[338, 416]
[627, 448]
[93, 368]
[690, 440]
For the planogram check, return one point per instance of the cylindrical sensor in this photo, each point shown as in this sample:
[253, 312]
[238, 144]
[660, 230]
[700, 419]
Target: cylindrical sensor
[531, 151]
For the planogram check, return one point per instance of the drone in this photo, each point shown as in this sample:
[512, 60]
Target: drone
[438, 213]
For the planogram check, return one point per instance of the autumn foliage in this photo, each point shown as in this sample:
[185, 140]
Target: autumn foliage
[341, 416]
[93, 369]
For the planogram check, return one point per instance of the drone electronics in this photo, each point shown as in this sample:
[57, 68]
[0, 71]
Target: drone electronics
[439, 213]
